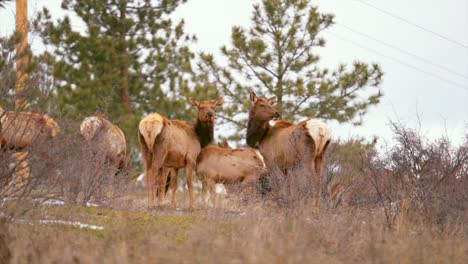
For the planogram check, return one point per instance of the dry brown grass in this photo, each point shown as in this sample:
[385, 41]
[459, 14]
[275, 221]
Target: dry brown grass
[257, 233]
[409, 206]
[388, 216]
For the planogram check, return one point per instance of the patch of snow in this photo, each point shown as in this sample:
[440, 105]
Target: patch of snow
[220, 189]
[78, 224]
[197, 186]
[181, 188]
[88, 204]
[49, 201]
[140, 181]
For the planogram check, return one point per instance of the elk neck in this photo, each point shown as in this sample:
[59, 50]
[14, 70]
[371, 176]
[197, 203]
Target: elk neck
[204, 131]
[256, 131]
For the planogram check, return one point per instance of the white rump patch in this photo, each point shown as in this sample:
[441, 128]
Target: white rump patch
[261, 158]
[319, 132]
[150, 127]
[89, 126]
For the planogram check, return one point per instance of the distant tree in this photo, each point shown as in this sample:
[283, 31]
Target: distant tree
[38, 85]
[277, 56]
[129, 59]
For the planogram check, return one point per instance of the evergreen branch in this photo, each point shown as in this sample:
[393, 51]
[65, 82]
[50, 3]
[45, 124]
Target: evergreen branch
[237, 123]
[246, 61]
[223, 84]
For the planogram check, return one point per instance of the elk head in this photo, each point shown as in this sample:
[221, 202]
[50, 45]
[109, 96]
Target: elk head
[206, 109]
[263, 109]
[50, 127]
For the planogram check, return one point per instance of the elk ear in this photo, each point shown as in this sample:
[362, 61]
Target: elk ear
[224, 144]
[272, 100]
[253, 96]
[219, 101]
[194, 102]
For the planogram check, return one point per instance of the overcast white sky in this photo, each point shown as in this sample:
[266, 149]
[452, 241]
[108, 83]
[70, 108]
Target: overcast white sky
[442, 106]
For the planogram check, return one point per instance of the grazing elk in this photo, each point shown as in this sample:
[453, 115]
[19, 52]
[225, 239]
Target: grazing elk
[20, 130]
[223, 164]
[301, 145]
[106, 138]
[175, 144]
[23, 129]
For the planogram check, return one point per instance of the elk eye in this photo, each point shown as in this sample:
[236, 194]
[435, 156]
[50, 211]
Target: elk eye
[262, 105]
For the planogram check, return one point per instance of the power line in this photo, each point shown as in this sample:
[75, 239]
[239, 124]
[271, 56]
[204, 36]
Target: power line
[403, 51]
[413, 24]
[402, 62]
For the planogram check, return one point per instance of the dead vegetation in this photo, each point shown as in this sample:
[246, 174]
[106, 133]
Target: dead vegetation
[406, 205]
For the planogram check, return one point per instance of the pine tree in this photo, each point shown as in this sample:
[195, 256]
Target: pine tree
[37, 86]
[129, 59]
[277, 56]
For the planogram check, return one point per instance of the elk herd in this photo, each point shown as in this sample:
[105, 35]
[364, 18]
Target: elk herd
[170, 145]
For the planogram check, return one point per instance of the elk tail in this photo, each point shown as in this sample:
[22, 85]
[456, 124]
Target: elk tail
[320, 133]
[150, 127]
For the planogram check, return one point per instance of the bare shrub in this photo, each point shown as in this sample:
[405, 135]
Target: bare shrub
[24, 175]
[64, 167]
[344, 164]
[288, 187]
[85, 172]
[294, 187]
[26, 171]
[416, 180]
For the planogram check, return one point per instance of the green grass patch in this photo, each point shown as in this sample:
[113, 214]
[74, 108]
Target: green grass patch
[120, 224]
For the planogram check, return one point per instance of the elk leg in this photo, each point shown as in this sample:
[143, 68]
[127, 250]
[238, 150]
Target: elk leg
[205, 194]
[148, 160]
[150, 186]
[174, 186]
[212, 188]
[161, 187]
[189, 170]
[248, 183]
[157, 167]
[317, 179]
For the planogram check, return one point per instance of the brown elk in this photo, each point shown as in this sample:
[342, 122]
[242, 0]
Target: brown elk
[175, 144]
[106, 138]
[223, 164]
[301, 145]
[20, 130]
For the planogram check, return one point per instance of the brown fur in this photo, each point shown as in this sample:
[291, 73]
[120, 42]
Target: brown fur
[176, 146]
[106, 137]
[22, 129]
[222, 164]
[287, 145]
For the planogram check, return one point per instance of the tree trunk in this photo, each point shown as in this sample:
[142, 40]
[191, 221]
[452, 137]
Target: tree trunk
[22, 59]
[124, 63]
